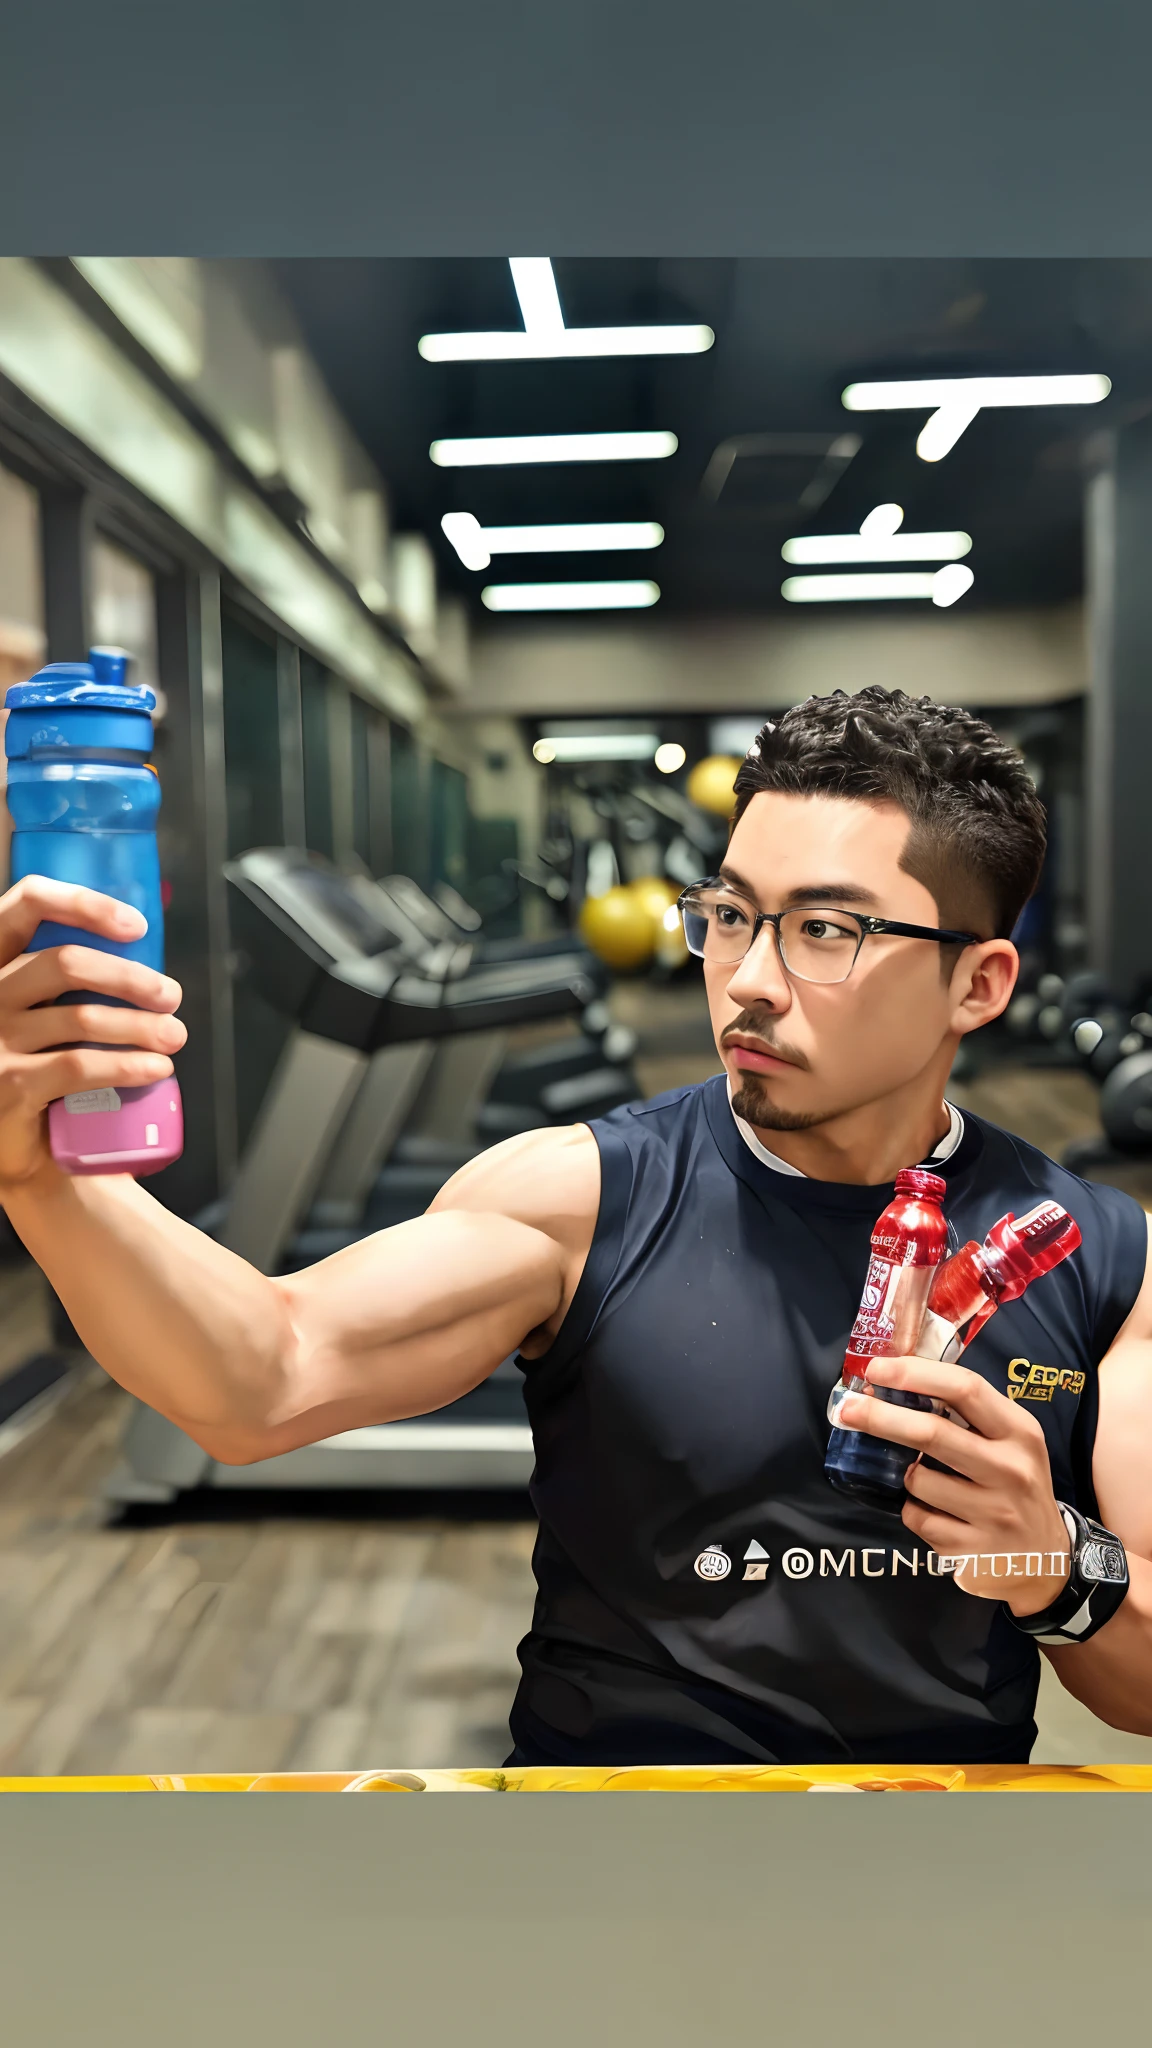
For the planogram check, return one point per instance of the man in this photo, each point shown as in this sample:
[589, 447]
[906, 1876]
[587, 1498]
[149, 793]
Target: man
[680, 1279]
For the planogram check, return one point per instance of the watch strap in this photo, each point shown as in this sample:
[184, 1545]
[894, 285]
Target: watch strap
[1097, 1584]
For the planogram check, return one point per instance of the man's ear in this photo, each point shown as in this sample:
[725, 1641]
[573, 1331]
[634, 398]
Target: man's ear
[983, 982]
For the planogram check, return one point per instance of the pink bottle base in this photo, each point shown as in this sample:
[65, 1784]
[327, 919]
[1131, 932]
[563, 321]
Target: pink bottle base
[126, 1130]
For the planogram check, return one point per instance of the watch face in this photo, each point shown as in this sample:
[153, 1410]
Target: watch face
[1102, 1561]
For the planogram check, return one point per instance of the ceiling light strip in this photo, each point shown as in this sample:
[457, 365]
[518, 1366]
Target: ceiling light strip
[813, 548]
[569, 597]
[565, 343]
[580, 539]
[941, 588]
[916, 394]
[523, 448]
[613, 746]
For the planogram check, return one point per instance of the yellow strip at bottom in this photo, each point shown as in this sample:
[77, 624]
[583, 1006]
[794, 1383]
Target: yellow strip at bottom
[638, 1778]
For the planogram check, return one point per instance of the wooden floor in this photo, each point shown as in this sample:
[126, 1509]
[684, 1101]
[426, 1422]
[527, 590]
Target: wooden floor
[317, 1634]
[228, 1639]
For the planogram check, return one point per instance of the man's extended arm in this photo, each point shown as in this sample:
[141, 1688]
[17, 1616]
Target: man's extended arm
[398, 1324]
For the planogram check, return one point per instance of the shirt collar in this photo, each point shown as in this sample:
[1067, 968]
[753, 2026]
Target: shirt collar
[942, 1151]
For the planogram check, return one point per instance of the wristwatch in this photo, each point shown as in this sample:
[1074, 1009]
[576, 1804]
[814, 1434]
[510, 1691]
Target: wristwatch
[1097, 1583]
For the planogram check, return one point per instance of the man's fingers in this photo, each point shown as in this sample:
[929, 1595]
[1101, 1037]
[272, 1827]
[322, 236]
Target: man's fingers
[45, 1079]
[980, 1405]
[42, 977]
[36, 901]
[925, 1435]
[946, 1491]
[33, 1031]
[942, 1533]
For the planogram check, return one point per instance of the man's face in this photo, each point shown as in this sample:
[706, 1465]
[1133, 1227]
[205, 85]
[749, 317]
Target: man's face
[799, 1053]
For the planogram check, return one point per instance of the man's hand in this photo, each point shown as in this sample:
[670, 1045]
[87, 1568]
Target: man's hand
[40, 1058]
[995, 1504]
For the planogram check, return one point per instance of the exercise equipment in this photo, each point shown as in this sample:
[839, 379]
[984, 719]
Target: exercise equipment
[480, 1091]
[1126, 1116]
[619, 929]
[1118, 1054]
[1104, 1041]
[710, 784]
[1036, 1016]
[610, 823]
[366, 1010]
[1112, 1039]
[658, 896]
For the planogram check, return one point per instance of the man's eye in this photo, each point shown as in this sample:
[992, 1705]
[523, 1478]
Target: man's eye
[726, 914]
[823, 929]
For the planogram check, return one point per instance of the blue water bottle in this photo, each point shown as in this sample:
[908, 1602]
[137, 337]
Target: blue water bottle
[83, 798]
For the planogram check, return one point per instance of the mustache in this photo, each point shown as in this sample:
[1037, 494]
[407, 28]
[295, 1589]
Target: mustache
[757, 1024]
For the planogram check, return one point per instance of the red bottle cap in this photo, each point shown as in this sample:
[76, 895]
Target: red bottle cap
[916, 1180]
[1021, 1249]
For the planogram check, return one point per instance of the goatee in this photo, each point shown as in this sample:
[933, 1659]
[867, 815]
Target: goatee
[752, 1102]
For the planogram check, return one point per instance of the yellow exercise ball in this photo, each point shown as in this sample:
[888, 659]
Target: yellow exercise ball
[659, 897]
[710, 784]
[655, 895]
[619, 929]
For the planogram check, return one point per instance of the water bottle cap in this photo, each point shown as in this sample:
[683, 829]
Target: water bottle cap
[95, 685]
[109, 664]
[915, 1180]
[1021, 1249]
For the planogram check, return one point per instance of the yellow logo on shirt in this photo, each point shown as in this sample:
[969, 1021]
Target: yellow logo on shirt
[1029, 1382]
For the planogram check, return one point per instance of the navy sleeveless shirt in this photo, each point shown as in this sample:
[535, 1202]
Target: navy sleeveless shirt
[704, 1594]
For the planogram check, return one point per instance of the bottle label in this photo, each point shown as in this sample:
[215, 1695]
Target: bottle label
[91, 1100]
[939, 1339]
[891, 1310]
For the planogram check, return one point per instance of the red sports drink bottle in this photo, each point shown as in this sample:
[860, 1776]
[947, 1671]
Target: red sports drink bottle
[908, 1244]
[970, 1286]
[962, 1293]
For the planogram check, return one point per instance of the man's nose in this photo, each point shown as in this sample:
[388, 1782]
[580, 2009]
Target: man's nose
[760, 976]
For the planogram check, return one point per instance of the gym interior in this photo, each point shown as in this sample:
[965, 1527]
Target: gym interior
[462, 588]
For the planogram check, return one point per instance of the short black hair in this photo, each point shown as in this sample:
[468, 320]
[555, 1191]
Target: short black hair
[978, 828]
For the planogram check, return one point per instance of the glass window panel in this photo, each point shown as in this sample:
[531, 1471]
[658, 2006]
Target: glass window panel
[409, 807]
[255, 818]
[317, 756]
[21, 581]
[21, 608]
[362, 720]
[449, 806]
[124, 609]
[251, 738]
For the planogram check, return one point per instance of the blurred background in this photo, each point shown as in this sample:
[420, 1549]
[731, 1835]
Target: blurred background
[463, 586]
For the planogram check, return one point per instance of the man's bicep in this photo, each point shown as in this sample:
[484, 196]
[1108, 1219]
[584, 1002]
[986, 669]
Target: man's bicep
[408, 1320]
[548, 1179]
[1138, 1322]
[1122, 1452]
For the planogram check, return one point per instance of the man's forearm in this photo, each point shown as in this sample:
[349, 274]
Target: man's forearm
[1112, 1674]
[171, 1315]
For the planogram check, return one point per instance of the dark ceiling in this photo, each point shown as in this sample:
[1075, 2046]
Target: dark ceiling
[789, 335]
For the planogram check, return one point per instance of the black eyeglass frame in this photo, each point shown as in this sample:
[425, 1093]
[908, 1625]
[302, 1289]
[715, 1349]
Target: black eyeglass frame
[870, 927]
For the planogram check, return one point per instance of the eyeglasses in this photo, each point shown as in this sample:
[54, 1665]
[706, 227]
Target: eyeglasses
[814, 944]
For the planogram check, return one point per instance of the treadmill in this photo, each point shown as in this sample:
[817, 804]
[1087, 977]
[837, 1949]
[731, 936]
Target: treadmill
[585, 1074]
[368, 1003]
[422, 1113]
